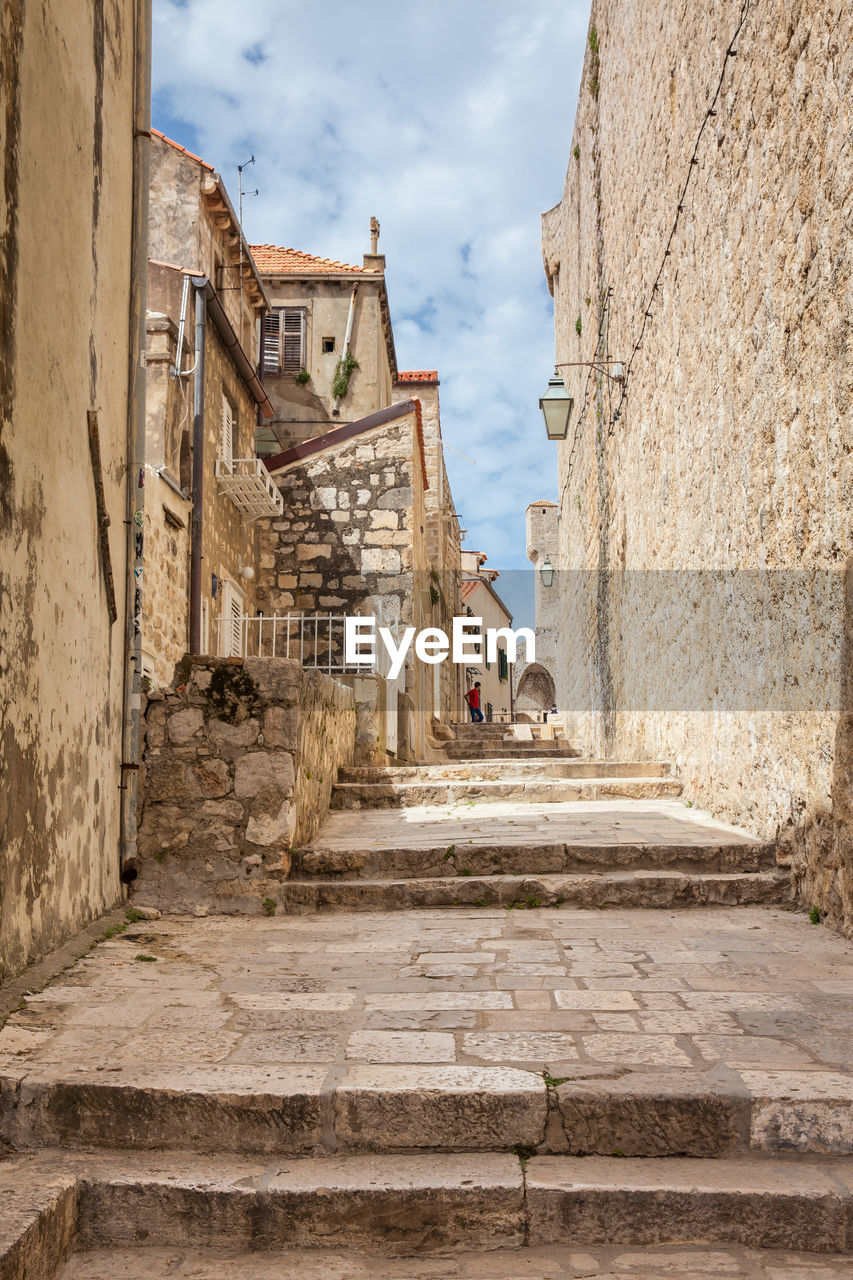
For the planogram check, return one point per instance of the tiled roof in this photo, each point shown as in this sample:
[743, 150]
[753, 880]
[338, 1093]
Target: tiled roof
[469, 587]
[543, 502]
[418, 375]
[274, 260]
[178, 147]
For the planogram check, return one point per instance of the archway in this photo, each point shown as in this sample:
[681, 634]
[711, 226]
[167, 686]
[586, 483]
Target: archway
[535, 689]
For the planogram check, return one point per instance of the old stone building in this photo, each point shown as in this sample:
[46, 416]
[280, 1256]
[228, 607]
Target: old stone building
[206, 296]
[479, 599]
[534, 687]
[442, 534]
[73, 111]
[328, 343]
[703, 244]
[352, 540]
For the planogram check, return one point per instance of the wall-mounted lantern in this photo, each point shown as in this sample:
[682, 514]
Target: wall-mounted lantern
[556, 406]
[546, 572]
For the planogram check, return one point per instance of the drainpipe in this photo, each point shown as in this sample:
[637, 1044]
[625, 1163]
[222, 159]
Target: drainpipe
[347, 340]
[200, 286]
[131, 703]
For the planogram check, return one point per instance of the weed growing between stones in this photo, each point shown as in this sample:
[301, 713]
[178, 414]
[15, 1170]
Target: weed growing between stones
[551, 1082]
[269, 905]
[144, 959]
[814, 915]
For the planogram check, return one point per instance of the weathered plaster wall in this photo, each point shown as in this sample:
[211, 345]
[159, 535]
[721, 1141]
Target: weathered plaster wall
[304, 411]
[240, 761]
[732, 448]
[66, 98]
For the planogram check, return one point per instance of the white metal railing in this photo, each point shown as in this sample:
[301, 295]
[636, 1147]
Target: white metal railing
[315, 639]
[250, 487]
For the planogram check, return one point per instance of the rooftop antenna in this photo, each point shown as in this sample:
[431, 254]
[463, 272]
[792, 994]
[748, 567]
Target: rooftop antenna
[240, 168]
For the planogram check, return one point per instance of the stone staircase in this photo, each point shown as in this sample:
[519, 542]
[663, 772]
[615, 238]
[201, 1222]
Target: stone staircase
[472, 1093]
[502, 824]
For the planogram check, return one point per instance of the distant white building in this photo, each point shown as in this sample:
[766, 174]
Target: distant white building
[533, 682]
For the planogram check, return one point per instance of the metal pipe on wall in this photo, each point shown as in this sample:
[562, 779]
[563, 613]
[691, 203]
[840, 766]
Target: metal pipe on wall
[131, 700]
[200, 286]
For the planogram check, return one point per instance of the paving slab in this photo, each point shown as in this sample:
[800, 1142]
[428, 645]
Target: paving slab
[651, 1032]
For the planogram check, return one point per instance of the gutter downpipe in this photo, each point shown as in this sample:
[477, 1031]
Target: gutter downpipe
[131, 699]
[200, 285]
[347, 339]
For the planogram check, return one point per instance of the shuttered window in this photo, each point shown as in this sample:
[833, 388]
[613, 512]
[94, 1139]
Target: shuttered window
[272, 342]
[503, 665]
[293, 340]
[227, 442]
[284, 340]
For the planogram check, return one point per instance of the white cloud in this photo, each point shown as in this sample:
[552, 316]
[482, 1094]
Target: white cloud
[451, 122]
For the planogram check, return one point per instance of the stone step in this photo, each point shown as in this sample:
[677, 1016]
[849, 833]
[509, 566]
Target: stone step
[498, 770]
[510, 751]
[660, 888]
[417, 1205]
[513, 859]
[399, 795]
[554, 1262]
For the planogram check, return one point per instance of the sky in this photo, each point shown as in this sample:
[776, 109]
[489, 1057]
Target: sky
[451, 122]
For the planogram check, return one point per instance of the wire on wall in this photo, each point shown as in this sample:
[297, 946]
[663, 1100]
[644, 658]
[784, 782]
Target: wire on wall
[693, 164]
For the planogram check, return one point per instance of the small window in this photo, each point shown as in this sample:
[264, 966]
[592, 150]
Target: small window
[227, 441]
[503, 665]
[328, 346]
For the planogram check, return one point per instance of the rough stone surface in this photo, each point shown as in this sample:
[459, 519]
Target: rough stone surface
[239, 765]
[705, 538]
[691, 1262]
[569, 1031]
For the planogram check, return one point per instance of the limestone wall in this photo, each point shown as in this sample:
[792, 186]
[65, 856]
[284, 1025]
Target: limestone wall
[731, 450]
[66, 133]
[240, 761]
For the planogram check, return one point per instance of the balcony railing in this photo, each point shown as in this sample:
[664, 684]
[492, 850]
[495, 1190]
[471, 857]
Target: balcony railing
[250, 487]
[316, 639]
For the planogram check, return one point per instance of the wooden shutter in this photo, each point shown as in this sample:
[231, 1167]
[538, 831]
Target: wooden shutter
[227, 430]
[293, 343]
[272, 342]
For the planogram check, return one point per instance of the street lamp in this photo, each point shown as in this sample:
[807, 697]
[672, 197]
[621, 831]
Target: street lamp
[556, 406]
[546, 572]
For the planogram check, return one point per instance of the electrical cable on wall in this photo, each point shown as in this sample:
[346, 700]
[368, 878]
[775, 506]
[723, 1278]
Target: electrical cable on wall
[646, 309]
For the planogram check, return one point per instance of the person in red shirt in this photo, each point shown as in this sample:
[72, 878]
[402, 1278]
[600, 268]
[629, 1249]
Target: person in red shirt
[472, 697]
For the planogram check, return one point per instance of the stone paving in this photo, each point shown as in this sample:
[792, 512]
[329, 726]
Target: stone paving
[522, 1007]
[619, 821]
[697, 1263]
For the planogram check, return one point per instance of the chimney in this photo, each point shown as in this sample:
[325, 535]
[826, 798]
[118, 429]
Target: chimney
[374, 261]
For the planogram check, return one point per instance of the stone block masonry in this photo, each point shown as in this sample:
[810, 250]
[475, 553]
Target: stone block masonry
[241, 756]
[731, 451]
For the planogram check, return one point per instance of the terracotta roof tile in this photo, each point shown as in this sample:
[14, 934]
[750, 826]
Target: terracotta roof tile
[178, 147]
[418, 375]
[272, 259]
[469, 587]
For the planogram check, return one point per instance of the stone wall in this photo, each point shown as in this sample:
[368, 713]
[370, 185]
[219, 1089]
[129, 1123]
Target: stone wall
[240, 761]
[66, 133]
[730, 450]
[351, 541]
